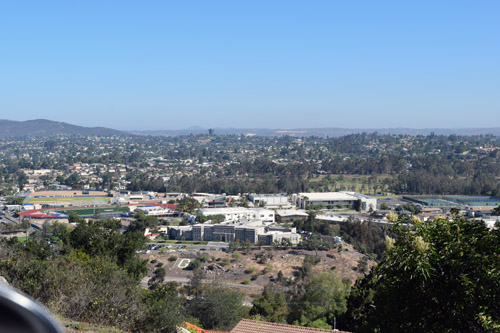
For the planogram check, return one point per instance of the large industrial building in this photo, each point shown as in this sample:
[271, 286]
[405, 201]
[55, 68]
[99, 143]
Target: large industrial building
[344, 199]
[253, 231]
[270, 200]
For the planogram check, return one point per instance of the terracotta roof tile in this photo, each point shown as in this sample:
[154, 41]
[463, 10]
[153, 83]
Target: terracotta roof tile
[251, 326]
[201, 330]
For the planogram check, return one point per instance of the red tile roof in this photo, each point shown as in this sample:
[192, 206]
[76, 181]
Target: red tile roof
[201, 330]
[252, 326]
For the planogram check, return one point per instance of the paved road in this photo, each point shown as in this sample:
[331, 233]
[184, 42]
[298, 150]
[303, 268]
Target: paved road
[166, 247]
[9, 218]
[215, 246]
[183, 280]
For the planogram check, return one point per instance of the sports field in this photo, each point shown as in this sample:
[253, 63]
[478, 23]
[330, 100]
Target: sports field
[474, 200]
[67, 199]
[91, 211]
[437, 203]
[454, 200]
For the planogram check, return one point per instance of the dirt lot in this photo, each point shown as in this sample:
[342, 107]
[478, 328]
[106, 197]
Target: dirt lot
[258, 267]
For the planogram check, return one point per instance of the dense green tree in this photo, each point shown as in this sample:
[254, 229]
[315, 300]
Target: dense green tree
[366, 237]
[218, 308]
[195, 285]
[307, 265]
[14, 201]
[440, 276]
[141, 222]
[163, 311]
[74, 286]
[25, 225]
[92, 277]
[313, 243]
[216, 219]
[271, 305]
[103, 239]
[322, 299]
[384, 206]
[189, 205]
[74, 218]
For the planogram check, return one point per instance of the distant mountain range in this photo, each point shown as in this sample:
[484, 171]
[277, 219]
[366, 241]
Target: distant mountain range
[323, 132]
[44, 128]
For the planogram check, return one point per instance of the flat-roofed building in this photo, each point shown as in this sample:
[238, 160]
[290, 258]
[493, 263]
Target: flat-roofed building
[248, 230]
[155, 211]
[177, 232]
[203, 232]
[240, 213]
[270, 200]
[342, 199]
[223, 233]
[277, 234]
[284, 215]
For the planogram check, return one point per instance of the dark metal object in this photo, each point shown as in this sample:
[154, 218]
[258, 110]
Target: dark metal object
[20, 313]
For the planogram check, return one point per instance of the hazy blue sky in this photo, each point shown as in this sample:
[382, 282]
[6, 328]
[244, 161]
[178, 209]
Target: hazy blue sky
[275, 64]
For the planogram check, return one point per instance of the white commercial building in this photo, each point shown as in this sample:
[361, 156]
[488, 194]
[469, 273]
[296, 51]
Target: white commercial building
[240, 213]
[342, 199]
[155, 211]
[270, 200]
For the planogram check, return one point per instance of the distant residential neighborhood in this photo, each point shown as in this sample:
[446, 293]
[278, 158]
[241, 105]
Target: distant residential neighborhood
[230, 227]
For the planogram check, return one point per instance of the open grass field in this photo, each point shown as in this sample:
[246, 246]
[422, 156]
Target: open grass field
[89, 211]
[66, 199]
[21, 239]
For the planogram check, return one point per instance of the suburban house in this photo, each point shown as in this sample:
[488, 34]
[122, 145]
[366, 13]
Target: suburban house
[253, 326]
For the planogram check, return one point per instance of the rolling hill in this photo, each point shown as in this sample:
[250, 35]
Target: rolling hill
[45, 128]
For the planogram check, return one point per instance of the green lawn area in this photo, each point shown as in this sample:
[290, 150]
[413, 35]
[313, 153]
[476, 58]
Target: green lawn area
[89, 211]
[21, 239]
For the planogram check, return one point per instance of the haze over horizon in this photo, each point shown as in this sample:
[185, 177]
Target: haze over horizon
[203, 128]
[254, 64]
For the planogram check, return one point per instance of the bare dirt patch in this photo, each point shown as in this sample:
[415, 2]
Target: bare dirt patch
[259, 267]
